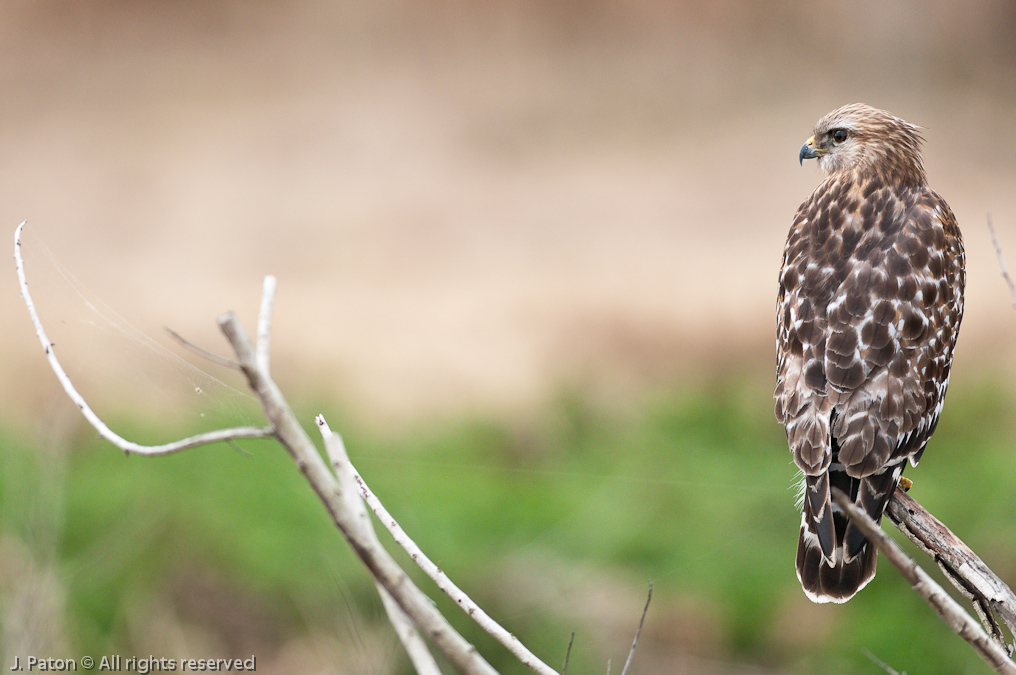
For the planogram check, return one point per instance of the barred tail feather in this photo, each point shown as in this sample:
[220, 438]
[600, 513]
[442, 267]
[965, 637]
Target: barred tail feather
[836, 582]
[834, 559]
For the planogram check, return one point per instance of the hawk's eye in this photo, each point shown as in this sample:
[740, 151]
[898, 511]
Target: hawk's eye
[839, 135]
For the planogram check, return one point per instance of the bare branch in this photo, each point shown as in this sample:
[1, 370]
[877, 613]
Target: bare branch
[408, 607]
[475, 612]
[86, 410]
[943, 604]
[287, 430]
[381, 565]
[638, 632]
[416, 648]
[965, 570]
[567, 654]
[264, 339]
[1001, 262]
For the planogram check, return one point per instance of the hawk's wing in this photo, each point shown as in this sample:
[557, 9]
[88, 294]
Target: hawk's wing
[869, 307]
[871, 296]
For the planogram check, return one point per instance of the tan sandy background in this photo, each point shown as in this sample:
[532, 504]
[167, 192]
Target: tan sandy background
[466, 203]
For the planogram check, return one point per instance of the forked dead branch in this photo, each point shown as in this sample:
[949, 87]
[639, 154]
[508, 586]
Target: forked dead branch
[341, 489]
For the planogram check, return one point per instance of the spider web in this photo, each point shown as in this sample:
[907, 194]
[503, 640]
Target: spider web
[119, 365]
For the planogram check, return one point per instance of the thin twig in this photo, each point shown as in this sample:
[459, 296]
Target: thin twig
[1001, 262]
[423, 661]
[264, 336]
[638, 632]
[86, 410]
[882, 664]
[943, 604]
[415, 645]
[567, 654]
[475, 612]
[202, 352]
[236, 446]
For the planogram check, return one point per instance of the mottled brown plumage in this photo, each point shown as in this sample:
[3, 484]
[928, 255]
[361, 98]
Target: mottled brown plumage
[870, 302]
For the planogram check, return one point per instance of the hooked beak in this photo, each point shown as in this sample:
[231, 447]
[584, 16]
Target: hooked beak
[808, 151]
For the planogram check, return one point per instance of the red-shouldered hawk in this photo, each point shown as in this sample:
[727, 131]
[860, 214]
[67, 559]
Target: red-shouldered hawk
[870, 302]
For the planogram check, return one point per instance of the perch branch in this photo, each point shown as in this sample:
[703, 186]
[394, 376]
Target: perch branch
[965, 570]
[86, 410]
[943, 604]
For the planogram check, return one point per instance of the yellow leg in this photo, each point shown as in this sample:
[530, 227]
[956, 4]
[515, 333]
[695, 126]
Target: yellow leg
[905, 483]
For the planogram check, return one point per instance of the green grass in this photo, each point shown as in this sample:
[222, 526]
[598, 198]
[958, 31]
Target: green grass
[553, 524]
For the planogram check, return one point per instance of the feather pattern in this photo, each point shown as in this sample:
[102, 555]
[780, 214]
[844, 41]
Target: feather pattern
[869, 307]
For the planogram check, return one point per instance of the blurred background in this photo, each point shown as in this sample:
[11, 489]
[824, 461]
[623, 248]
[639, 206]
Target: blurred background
[527, 255]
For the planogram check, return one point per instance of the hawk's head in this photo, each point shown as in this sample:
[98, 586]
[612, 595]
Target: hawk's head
[862, 139]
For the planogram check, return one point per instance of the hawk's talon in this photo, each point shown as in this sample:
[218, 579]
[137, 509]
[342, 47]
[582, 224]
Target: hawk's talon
[905, 484]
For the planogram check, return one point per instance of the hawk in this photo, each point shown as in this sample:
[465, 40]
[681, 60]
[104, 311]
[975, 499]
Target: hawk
[870, 302]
